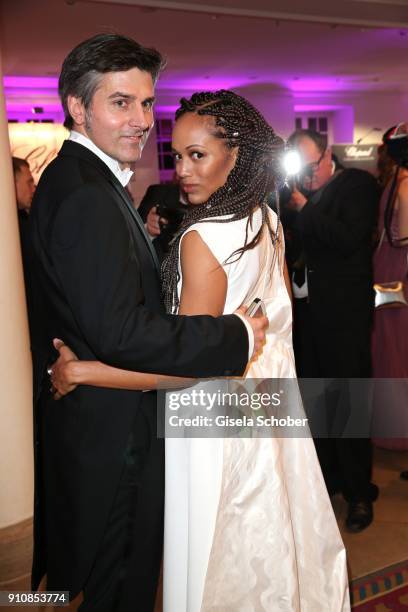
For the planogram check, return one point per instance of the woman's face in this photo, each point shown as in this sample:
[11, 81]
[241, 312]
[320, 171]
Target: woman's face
[203, 161]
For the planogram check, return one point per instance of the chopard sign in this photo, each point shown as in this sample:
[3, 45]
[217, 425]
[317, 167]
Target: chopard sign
[354, 152]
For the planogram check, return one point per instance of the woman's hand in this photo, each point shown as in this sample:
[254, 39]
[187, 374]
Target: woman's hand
[61, 372]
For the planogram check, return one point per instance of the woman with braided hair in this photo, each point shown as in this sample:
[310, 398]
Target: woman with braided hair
[248, 522]
[254, 171]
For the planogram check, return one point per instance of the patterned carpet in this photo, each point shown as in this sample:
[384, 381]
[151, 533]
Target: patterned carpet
[382, 591]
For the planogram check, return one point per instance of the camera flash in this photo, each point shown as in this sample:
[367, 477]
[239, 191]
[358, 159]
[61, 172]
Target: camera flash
[292, 163]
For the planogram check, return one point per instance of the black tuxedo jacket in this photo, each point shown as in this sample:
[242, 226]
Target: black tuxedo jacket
[336, 236]
[98, 281]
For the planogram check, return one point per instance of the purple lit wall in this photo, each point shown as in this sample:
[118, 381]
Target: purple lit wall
[317, 84]
[343, 124]
[30, 83]
[318, 95]
[277, 104]
[24, 93]
[341, 119]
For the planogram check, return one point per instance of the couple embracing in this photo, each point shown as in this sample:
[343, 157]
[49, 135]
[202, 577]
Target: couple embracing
[264, 539]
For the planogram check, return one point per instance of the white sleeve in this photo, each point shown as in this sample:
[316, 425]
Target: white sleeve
[251, 339]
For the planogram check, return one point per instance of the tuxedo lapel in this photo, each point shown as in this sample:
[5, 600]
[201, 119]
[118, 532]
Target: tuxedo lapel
[121, 191]
[70, 148]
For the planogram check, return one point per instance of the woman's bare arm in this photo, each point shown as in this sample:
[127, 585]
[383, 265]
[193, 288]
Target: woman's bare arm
[99, 374]
[403, 212]
[68, 372]
[204, 286]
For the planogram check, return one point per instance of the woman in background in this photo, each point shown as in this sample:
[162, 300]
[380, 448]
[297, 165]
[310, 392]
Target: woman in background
[390, 333]
[385, 163]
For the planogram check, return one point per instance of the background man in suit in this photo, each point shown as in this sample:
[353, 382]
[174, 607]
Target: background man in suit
[168, 201]
[332, 287]
[24, 182]
[167, 195]
[25, 188]
[99, 478]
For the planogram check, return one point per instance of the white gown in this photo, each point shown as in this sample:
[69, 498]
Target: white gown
[249, 525]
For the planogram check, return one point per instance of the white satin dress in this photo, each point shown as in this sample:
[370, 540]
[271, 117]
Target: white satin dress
[249, 525]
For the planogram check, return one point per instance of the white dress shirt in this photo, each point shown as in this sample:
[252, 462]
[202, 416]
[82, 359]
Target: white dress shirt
[123, 176]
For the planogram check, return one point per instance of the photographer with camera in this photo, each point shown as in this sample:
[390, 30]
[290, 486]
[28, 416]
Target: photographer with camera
[333, 306]
[162, 210]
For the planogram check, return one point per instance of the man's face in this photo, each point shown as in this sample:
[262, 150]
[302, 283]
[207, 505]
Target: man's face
[120, 116]
[25, 188]
[319, 165]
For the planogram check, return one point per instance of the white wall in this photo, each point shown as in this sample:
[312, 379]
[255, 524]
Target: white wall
[353, 114]
[146, 170]
[275, 104]
[370, 110]
[379, 110]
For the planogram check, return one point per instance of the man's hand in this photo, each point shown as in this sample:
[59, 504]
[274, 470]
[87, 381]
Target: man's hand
[259, 324]
[297, 200]
[152, 222]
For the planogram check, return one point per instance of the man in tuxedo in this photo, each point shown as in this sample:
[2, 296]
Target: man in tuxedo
[99, 464]
[333, 307]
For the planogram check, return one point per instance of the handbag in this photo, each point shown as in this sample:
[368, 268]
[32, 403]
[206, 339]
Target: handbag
[391, 294]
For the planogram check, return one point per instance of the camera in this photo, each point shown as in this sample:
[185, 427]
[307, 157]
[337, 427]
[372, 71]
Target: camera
[173, 214]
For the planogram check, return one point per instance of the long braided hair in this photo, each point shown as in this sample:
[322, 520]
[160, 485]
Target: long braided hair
[256, 173]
